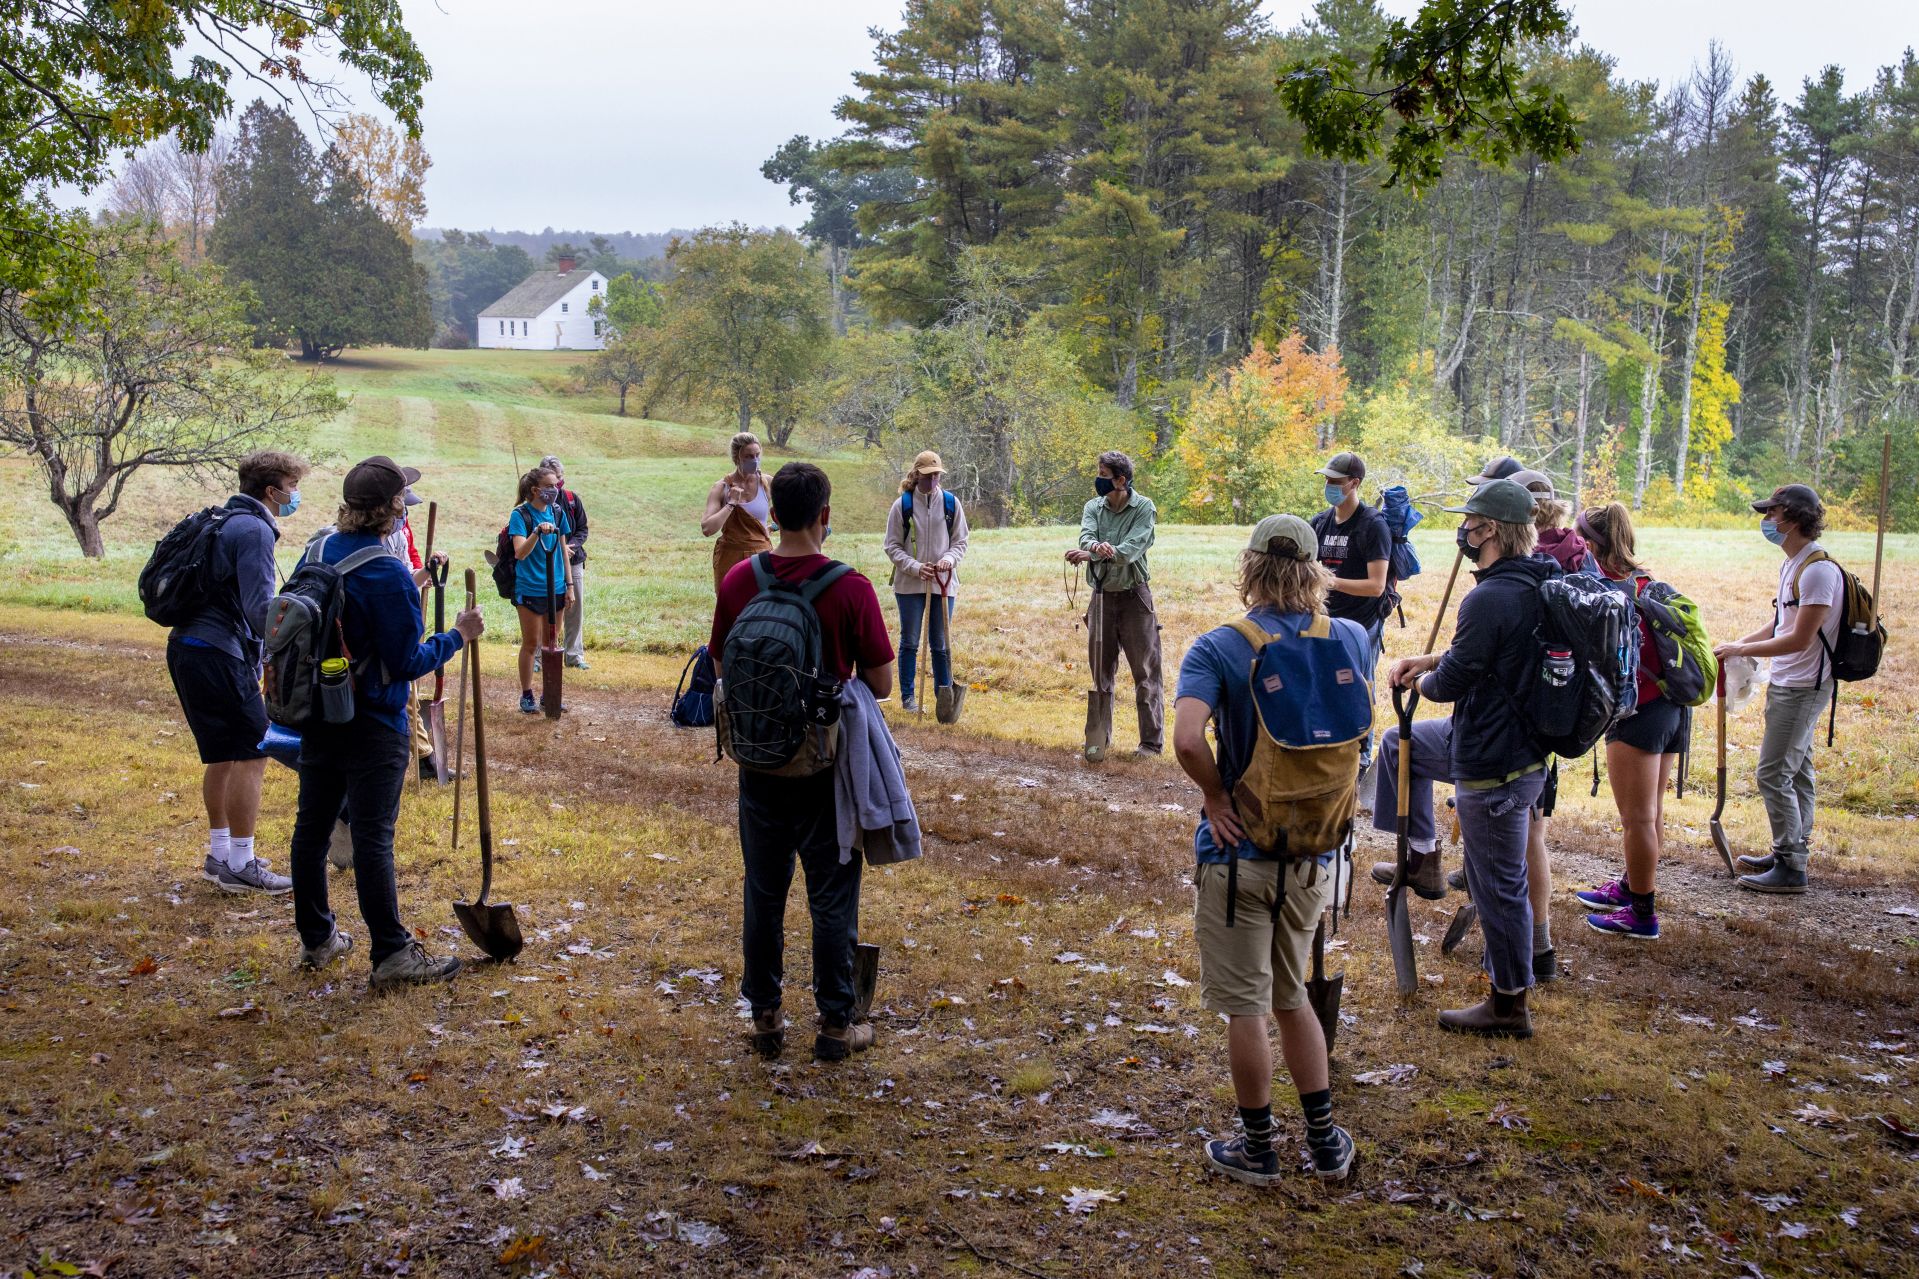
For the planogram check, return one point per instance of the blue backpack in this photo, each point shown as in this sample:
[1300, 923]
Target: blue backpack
[1401, 518]
[906, 512]
[693, 703]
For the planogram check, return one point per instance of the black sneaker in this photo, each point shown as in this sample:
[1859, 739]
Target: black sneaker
[1456, 880]
[1230, 1157]
[1333, 1158]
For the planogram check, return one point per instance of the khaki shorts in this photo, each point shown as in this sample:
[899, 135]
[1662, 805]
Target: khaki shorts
[1257, 965]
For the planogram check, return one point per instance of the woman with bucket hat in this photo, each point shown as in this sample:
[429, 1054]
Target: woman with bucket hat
[926, 540]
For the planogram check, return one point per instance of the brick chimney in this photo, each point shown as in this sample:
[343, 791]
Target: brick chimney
[567, 264]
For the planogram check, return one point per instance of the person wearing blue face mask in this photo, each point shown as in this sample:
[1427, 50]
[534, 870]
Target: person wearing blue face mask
[1805, 625]
[215, 659]
[539, 528]
[739, 510]
[1356, 547]
[1115, 532]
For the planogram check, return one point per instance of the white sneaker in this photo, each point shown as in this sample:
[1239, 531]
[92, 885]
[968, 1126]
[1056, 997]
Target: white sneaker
[254, 877]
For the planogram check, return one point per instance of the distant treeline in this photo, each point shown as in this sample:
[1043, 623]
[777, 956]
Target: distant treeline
[632, 245]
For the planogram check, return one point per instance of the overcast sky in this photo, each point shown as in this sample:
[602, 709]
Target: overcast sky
[609, 115]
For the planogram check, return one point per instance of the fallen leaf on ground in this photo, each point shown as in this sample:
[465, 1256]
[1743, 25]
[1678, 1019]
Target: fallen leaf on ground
[145, 968]
[508, 1188]
[1081, 1202]
[1818, 1116]
[1394, 1074]
[811, 1150]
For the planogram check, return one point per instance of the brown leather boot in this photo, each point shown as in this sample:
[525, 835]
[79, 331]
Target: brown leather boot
[1497, 1016]
[769, 1032]
[1422, 874]
[837, 1044]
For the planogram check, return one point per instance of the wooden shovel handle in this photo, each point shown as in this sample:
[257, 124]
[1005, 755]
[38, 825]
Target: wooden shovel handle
[480, 793]
[1432, 637]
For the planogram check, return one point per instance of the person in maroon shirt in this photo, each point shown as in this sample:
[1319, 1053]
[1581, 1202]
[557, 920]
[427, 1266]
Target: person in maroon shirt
[782, 818]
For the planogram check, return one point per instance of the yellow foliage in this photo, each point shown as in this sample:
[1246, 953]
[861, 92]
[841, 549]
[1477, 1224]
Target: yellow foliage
[1251, 433]
[1714, 392]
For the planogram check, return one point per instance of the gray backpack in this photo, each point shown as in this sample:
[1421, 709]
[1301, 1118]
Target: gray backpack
[305, 629]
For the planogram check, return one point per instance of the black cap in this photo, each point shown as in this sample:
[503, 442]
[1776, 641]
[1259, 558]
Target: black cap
[1500, 468]
[376, 482]
[1344, 466]
[1799, 495]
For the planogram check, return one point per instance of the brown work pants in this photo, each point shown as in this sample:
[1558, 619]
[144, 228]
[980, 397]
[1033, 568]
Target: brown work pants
[1124, 622]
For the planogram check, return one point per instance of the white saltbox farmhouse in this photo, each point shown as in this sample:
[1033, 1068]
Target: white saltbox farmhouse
[550, 310]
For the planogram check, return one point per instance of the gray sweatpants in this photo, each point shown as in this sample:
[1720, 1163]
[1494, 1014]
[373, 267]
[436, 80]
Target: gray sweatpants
[574, 625]
[1785, 775]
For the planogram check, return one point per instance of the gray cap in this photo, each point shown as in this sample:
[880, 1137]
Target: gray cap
[1344, 466]
[1501, 500]
[1540, 483]
[1284, 535]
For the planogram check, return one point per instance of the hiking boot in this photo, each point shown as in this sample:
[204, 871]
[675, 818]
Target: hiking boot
[1099, 726]
[412, 966]
[328, 951]
[1230, 1157]
[839, 1043]
[1456, 880]
[528, 705]
[339, 846]
[1545, 966]
[577, 664]
[1609, 896]
[1758, 865]
[1782, 878]
[254, 877]
[910, 705]
[1333, 1159]
[1143, 751]
[1422, 874]
[1497, 1016]
[769, 1032]
[1625, 922]
[428, 773]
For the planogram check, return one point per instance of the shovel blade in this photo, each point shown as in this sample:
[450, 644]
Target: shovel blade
[1399, 934]
[435, 715]
[866, 976]
[492, 926]
[1724, 845]
[551, 663]
[1463, 920]
[1323, 994]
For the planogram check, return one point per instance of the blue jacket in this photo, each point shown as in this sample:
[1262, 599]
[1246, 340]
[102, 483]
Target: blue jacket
[1488, 670]
[383, 626]
[235, 619]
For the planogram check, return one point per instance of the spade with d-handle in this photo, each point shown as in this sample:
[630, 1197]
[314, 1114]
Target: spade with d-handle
[550, 659]
[434, 712]
[1323, 992]
[493, 927]
[1719, 840]
[1399, 926]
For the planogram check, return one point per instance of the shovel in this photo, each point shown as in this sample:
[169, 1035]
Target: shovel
[1466, 916]
[434, 712]
[459, 731]
[493, 928]
[1719, 840]
[866, 976]
[551, 661]
[956, 689]
[1323, 992]
[1399, 927]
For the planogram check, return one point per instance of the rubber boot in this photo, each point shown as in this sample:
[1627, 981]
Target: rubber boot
[1143, 708]
[1787, 875]
[1497, 1016]
[1422, 874]
[1757, 864]
[1099, 726]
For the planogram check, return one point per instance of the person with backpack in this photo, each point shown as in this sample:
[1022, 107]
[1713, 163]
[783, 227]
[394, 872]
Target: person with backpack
[574, 640]
[1115, 532]
[1807, 614]
[926, 540]
[1559, 541]
[538, 528]
[1640, 751]
[738, 509]
[1491, 752]
[214, 656]
[361, 760]
[794, 607]
[1258, 901]
[1356, 547]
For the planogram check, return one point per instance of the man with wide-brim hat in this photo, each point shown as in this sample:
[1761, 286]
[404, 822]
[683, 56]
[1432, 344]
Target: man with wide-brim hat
[926, 540]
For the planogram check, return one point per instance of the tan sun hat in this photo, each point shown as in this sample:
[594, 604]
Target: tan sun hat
[927, 463]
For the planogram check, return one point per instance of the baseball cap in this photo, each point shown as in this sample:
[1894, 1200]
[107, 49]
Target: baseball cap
[412, 498]
[1500, 468]
[1537, 482]
[1498, 499]
[375, 482]
[1800, 495]
[1344, 466]
[927, 463]
[1284, 529]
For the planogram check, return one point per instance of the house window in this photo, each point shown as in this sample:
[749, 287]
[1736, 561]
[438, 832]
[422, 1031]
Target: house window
[562, 308]
[596, 328]
[502, 328]
[596, 286]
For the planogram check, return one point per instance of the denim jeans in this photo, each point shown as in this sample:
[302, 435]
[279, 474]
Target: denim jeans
[1432, 762]
[781, 817]
[912, 611]
[364, 766]
[1494, 824]
[1785, 775]
[1376, 640]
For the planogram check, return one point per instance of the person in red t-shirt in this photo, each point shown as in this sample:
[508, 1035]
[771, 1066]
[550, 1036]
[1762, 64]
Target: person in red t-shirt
[785, 817]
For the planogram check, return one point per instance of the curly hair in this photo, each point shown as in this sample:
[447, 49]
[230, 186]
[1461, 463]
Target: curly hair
[1809, 520]
[379, 521]
[1119, 464]
[1284, 582]
[269, 468]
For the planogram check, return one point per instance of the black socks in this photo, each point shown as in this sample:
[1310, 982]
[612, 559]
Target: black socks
[1319, 1117]
[1641, 903]
[1257, 1123]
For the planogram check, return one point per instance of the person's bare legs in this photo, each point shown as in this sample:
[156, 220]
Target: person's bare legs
[1303, 1044]
[1539, 869]
[242, 801]
[1639, 781]
[1249, 1055]
[530, 624]
[213, 793]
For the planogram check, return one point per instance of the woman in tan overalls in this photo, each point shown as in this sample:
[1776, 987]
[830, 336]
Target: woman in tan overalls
[738, 510]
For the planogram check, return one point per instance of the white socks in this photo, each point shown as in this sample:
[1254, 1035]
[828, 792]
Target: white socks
[239, 852]
[217, 840]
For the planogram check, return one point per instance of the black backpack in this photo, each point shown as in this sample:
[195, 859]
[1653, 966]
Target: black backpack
[1587, 678]
[777, 711]
[693, 703]
[304, 623]
[177, 583]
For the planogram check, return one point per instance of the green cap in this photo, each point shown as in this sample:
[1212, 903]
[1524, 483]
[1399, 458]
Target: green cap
[1501, 500]
[1284, 535]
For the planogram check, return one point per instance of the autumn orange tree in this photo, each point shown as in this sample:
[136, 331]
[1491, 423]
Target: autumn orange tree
[390, 165]
[1253, 432]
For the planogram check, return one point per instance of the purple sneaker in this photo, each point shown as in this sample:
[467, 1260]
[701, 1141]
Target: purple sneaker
[1610, 895]
[1626, 922]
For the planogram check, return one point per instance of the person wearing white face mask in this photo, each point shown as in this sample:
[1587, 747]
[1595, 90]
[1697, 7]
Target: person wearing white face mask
[738, 510]
[926, 540]
[1356, 547]
[1804, 627]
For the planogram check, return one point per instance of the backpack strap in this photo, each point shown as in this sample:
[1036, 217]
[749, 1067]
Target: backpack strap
[1800, 572]
[1254, 633]
[763, 571]
[952, 509]
[362, 557]
[815, 586]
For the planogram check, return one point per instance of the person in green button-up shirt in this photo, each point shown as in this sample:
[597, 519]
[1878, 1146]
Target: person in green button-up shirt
[1115, 532]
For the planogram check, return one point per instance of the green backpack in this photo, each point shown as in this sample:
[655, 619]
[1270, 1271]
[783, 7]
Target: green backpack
[1688, 672]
